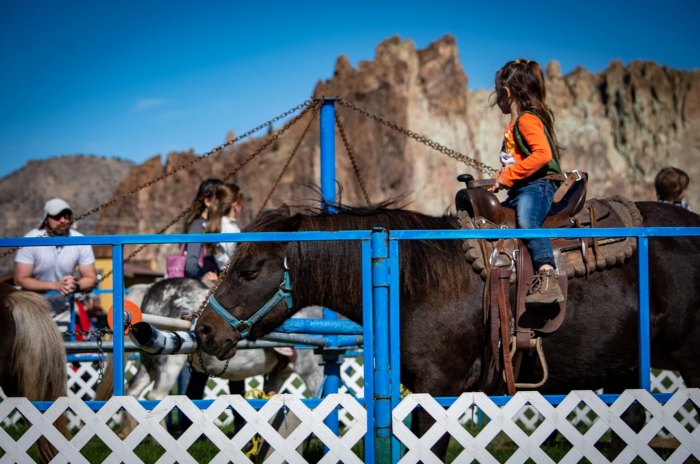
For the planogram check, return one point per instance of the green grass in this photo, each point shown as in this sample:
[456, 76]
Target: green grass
[203, 450]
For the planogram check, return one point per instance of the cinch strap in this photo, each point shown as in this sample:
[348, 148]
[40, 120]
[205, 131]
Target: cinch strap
[244, 327]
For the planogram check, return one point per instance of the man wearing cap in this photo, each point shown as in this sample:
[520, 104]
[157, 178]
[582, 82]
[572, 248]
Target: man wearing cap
[44, 268]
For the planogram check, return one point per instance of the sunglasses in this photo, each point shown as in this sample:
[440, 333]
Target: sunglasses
[63, 214]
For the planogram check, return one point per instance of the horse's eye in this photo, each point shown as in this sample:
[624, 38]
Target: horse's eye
[248, 275]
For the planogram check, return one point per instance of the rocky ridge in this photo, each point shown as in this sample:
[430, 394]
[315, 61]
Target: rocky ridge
[620, 125]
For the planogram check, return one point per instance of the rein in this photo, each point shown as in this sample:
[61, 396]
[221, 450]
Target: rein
[244, 327]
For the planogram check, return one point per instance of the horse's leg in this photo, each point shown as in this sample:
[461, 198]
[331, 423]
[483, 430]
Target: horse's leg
[635, 418]
[138, 382]
[308, 366]
[237, 387]
[134, 387]
[164, 370]
[164, 373]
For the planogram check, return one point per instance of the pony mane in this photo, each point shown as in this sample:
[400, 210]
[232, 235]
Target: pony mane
[426, 265]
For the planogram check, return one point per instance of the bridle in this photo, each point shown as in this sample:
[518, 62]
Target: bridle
[244, 327]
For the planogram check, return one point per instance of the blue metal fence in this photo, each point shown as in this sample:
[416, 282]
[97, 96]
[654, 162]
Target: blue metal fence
[380, 264]
[381, 315]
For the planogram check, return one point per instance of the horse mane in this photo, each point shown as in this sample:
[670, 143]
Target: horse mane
[39, 358]
[426, 265]
[31, 314]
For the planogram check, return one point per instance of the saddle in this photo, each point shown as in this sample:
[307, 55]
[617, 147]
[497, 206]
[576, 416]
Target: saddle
[506, 266]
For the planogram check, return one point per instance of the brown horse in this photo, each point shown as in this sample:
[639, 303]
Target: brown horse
[443, 337]
[32, 355]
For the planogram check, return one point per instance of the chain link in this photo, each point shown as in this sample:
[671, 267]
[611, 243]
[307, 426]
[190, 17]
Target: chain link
[289, 160]
[312, 104]
[471, 162]
[348, 150]
[204, 367]
[224, 272]
[216, 150]
[305, 106]
[97, 335]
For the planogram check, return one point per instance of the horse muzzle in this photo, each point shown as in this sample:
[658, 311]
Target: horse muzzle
[219, 341]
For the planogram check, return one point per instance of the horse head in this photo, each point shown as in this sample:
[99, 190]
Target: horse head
[252, 299]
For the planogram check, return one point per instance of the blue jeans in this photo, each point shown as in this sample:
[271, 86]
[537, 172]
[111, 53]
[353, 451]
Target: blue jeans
[532, 202]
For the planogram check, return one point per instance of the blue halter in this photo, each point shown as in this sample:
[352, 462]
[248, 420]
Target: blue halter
[244, 327]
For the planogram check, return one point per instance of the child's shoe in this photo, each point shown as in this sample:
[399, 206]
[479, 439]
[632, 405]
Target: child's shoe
[544, 289]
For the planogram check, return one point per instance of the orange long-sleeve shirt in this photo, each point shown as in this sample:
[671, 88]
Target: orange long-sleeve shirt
[516, 166]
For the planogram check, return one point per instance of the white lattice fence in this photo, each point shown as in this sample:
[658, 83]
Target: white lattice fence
[504, 420]
[661, 382]
[83, 379]
[81, 384]
[99, 424]
[351, 376]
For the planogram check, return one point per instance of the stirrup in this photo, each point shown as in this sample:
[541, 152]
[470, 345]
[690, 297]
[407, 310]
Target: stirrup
[535, 343]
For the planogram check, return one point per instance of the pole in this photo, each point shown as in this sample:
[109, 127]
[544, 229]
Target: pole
[644, 331]
[118, 318]
[331, 367]
[382, 371]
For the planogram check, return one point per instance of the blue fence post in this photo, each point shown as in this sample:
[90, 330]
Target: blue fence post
[644, 327]
[331, 367]
[382, 371]
[368, 349]
[327, 131]
[394, 339]
[118, 317]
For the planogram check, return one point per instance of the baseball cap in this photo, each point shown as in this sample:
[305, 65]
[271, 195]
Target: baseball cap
[53, 207]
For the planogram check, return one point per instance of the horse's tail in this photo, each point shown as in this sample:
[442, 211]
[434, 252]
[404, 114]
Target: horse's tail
[104, 390]
[39, 357]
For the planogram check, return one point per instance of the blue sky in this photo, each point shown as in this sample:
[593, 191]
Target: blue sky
[139, 78]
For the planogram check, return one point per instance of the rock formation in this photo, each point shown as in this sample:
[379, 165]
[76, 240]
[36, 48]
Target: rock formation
[620, 126]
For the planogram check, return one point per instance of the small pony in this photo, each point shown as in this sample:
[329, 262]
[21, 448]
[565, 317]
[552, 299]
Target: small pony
[32, 355]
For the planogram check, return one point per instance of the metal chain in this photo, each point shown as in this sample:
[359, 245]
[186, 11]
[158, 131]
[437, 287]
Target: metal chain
[289, 160]
[224, 272]
[97, 335]
[348, 150]
[204, 367]
[305, 106]
[216, 150]
[478, 165]
[186, 211]
[311, 105]
[101, 363]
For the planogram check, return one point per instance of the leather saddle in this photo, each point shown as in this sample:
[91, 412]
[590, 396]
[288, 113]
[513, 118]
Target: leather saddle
[506, 266]
[483, 205]
[514, 332]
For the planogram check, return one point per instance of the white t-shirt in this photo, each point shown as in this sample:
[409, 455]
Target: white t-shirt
[225, 249]
[51, 263]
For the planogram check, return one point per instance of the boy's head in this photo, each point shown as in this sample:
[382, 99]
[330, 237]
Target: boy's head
[671, 184]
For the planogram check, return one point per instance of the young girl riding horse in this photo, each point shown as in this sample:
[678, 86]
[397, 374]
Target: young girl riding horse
[529, 156]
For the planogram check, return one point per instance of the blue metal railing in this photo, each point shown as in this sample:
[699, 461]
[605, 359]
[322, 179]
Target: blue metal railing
[380, 271]
[380, 293]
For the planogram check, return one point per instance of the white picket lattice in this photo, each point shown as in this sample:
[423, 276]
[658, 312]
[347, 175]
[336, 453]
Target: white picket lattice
[661, 382]
[203, 423]
[82, 381]
[504, 420]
